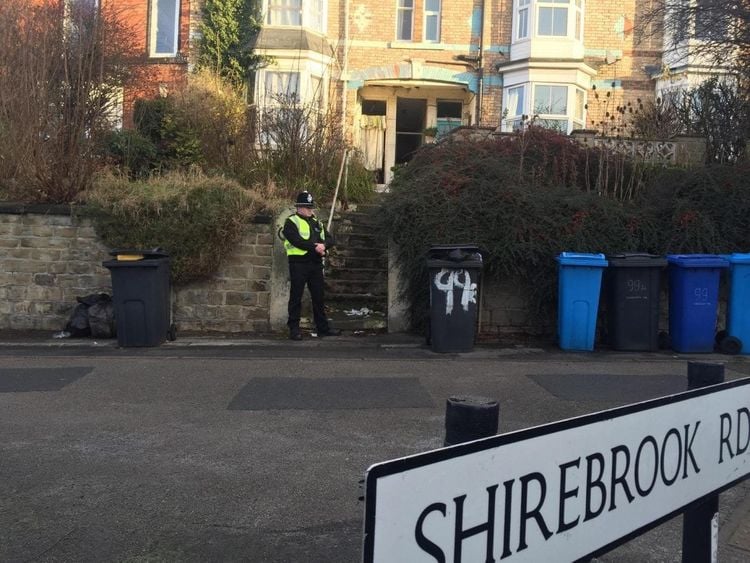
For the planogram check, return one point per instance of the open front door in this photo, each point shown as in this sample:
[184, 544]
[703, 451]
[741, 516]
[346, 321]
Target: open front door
[410, 124]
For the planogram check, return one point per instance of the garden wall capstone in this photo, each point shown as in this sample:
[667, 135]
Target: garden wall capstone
[51, 255]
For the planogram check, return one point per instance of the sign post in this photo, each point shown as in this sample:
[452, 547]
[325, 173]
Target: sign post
[700, 524]
[563, 491]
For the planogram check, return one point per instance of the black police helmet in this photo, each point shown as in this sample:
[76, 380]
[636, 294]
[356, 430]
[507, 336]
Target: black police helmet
[304, 199]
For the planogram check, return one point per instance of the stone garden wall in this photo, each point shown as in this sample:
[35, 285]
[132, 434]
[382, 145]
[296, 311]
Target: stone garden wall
[49, 256]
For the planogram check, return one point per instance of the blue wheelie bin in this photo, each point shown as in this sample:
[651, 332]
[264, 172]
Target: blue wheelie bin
[580, 280]
[737, 339]
[693, 300]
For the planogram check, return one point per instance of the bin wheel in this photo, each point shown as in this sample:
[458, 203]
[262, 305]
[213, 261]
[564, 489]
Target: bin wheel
[172, 333]
[665, 341]
[731, 345]
[721, 335]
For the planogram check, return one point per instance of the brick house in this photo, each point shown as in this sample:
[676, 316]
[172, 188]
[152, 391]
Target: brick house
[398, 72]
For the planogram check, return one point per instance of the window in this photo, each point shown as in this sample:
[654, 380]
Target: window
[522, 21]
[405, 20]
[165, 27]
[280, 87]
[515, 101]
[580, 104]
[553, 18]
[432, 21]
[579, 19]
[317, 97]
[307, 13]
[315, 15]
[551, 100]
[449, 116]
[284, 12]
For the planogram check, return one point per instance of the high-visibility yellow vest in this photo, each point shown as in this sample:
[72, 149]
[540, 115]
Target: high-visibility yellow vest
[304, 231]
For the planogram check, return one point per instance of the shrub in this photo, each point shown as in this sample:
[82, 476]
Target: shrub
[131, 152]
[197, 219]
[176, 140]
[522, 214]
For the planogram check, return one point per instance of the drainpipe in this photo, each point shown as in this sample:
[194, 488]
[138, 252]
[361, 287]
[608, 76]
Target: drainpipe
[345, 66]
[480, 68]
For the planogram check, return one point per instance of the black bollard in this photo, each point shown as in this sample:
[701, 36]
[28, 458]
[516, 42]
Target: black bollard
[697, 521]
[470, 418]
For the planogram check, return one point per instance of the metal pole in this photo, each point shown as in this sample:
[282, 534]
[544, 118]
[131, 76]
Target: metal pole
[700, 523]
[336, 193]
[470, 418]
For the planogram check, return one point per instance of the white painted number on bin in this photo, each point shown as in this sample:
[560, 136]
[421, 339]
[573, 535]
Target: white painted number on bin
[448, 280]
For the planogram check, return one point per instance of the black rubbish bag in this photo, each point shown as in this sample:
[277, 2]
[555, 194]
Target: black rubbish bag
[80, 324]
[102, 319]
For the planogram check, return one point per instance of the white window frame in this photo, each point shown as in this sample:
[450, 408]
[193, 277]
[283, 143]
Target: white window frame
[274, 8]
[578, 20]
[311, 14]
[438, 16]
[399, 11]
[267, 100]
[154, 29]
[553, 5]
[523, 7]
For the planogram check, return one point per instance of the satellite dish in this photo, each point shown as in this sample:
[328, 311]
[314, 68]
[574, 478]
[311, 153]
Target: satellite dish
[610, 58]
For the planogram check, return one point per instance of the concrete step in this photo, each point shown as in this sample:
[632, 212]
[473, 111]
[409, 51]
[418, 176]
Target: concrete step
[356, 287]
[370, 274]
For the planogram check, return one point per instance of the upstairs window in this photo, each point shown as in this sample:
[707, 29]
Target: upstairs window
[522, 19]
[552, 18]
[405, 20]
[296, 13]
[284, 12]
[432, 21]
[165, 27]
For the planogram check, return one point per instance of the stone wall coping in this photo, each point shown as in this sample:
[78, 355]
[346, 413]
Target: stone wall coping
[18, 208]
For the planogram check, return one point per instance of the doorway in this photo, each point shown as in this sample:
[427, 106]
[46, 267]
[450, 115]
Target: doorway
[410, 121]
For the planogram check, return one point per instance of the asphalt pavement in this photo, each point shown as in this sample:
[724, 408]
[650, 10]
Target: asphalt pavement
[253, 449]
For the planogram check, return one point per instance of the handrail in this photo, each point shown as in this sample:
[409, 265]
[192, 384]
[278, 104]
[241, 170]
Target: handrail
[336, 193]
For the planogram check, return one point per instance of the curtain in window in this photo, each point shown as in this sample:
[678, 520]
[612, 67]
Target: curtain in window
[515, 102]
[285, 12]
[372, 140]
[281, 86]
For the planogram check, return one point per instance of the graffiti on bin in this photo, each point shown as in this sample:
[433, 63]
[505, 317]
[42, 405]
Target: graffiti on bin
[449, 280]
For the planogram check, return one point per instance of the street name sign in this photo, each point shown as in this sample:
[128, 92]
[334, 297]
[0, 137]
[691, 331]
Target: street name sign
[562, 491]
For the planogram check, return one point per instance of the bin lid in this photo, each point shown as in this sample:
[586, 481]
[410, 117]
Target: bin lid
[582, 259]
[132, 263]
[697, 260]
[131, 254]
[452, 264]
[636, 260]
[456, 253]
[738, 258]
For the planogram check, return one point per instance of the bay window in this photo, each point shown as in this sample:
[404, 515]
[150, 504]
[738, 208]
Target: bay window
[555, 106]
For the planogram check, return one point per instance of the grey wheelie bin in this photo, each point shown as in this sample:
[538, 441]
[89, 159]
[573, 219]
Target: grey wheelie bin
[454, 272]
[141, 296]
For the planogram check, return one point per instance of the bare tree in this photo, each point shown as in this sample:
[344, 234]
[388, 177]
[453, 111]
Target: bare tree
[715, 33]
[62, 66]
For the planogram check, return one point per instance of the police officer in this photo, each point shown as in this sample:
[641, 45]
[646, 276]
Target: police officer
[306, 242]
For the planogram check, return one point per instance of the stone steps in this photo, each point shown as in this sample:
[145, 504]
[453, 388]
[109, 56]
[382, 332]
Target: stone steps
[357, 273]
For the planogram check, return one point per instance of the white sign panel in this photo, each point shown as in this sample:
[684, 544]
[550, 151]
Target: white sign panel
[561, 491]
